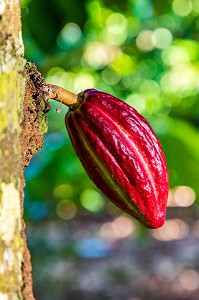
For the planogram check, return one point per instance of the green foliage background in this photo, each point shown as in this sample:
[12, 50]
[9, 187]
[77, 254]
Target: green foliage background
[142, 51]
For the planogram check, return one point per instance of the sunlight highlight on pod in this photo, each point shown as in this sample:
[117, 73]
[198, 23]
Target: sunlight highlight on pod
[121, 227]
[182, 196]
[175, 229]
[66, 210]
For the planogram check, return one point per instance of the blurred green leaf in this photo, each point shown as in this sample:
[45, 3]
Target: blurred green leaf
[181, 146]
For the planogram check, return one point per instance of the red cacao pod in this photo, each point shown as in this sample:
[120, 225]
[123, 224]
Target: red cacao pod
[121, 154]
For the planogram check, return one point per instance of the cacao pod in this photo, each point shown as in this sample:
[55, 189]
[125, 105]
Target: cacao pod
[121, 155]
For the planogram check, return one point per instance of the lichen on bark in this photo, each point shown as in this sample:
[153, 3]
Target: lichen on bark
[11, 97]
[22, 125]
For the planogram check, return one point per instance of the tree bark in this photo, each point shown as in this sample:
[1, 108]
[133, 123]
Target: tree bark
[22, 125]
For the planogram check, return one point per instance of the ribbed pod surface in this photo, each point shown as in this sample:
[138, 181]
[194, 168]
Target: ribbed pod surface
[121, 154]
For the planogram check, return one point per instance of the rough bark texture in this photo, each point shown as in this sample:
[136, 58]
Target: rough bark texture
[11, 97]
[34, 126]
[22, 125]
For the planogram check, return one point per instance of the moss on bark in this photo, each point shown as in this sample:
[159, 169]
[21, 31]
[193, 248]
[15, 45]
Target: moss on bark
[22, 125]
[12, 86]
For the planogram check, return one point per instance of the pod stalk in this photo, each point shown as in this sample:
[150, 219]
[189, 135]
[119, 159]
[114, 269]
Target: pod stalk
[64, 96]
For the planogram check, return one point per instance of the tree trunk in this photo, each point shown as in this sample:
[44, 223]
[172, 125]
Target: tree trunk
[22, 125]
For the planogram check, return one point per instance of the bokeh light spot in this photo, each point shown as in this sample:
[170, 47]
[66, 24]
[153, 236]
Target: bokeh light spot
[92, 248]
[120, 228]
[118, 20]
[168, 21]
[110, 77]
[148, 68]
[150, 87]
[144, 41]
[161, 38]
[115, 32]
[133, 26]
[182, 196]
[83, 81]
[143, 9]
[63, 191]
[182, 7]
[60, 77]
[124, 64]
[92, 200]
[182, 79]
[98, 55]
[69, 35]
[136, 101]
[175, 55]
[66, 210]
[165, 269]
[174, 229]
[195, 4]
[189, 280]
[123, 227]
